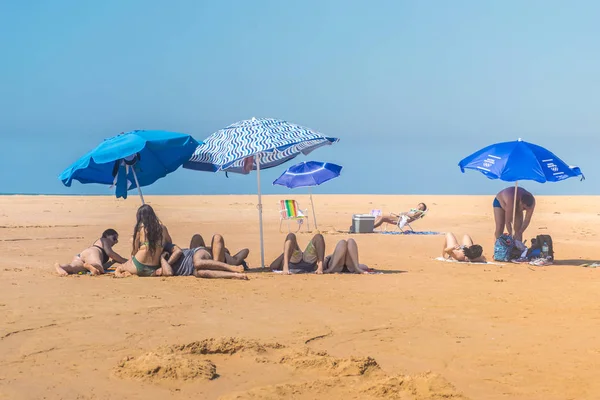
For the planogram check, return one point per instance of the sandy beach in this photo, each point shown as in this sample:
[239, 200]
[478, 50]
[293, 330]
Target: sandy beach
[423, 329]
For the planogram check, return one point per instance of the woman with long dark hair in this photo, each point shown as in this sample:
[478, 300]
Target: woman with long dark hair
[149, 239]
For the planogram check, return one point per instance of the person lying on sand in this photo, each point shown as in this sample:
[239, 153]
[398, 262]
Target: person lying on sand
[467, 252]
[94, 257]
[218, 242]
[294, 260]
[149, 238]
[405, 217]
[344, 259]
[198, 261]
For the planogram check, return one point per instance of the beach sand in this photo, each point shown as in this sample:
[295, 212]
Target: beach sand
[422, 330]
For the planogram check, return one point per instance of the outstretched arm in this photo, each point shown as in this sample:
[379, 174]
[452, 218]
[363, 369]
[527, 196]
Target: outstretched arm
[527, 219]
[116, 256]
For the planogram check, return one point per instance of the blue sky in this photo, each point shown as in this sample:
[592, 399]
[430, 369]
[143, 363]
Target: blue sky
[410, 87]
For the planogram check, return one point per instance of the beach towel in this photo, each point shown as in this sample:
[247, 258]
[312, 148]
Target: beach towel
[465, 262]
[409, 232]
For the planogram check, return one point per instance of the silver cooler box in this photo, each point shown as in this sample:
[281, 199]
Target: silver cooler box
[362, 223]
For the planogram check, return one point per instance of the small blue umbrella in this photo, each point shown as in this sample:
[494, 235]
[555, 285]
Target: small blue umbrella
[133, 159]
[255, 144]
[519, 160]
[307, 174]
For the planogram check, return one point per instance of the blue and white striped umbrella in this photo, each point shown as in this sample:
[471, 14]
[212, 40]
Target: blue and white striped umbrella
[255, 144]
[273, 140]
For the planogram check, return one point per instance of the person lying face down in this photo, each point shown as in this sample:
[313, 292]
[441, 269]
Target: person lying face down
[94, 258]
[467, 252]
[404, 218]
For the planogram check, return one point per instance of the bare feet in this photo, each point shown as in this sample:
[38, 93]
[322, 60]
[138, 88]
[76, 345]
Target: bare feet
[93, 270]
[60, 270]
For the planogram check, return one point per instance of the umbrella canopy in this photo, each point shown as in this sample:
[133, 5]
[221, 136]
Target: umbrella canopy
[255, 144]
[517, 161]
[308, 173]
[132, 159]
[276, 141]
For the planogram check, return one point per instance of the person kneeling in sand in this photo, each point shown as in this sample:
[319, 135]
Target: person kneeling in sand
[94, 257]
[345, 259]
[467, 252]
[404, 218]
[294, 260]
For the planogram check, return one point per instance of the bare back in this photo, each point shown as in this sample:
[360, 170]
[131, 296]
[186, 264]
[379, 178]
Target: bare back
[142, 251]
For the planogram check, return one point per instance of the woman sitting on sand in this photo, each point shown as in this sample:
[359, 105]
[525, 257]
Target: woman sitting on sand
[149, 238]
[94, 257]
[467, 252]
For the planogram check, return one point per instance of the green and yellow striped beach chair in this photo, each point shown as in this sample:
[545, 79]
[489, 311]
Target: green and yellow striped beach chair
[290, 211]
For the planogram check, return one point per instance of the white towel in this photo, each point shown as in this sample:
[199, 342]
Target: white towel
[465, 262]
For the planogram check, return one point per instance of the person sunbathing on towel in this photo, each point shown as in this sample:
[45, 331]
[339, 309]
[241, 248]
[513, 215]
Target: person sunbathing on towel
[94, 258]
[403, 218]
[467, 252]
[198, 261]
[344, 259]
[294, 260]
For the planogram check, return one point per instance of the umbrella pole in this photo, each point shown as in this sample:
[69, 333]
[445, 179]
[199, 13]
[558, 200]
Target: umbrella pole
[260, 222]
[313, 209]
[515, 207]
[137, 184]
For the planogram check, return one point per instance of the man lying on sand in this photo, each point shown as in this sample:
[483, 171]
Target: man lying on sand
[503, 211]
[219, 242]
[94, 257]
[405, 217]
[199, 262]
[467, 252]
[294, 260]
[196, 260]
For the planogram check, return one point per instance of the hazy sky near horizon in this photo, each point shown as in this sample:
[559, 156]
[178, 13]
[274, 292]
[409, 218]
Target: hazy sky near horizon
[410, 87]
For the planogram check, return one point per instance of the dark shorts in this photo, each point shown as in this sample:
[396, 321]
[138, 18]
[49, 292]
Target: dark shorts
[496, 203]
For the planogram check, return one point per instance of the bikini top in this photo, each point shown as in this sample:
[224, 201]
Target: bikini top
[105, 256]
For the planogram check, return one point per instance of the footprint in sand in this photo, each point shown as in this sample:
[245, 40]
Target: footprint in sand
[302, 373]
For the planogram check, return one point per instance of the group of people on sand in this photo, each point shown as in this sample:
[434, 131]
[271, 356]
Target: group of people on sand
[154, 254]
[504, 207]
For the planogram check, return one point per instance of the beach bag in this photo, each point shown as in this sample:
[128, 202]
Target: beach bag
[503, 248]
[536, 246]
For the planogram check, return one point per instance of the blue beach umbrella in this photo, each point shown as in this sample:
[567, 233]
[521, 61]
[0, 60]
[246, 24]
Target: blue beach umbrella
[519, 160]
[307, 174]
[133, 159]
[255, 144]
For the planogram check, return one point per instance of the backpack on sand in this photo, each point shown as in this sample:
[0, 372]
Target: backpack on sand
[504, 248]
[538, 242]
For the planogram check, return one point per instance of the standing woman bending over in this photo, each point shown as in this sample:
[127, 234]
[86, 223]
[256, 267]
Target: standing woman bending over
[149, 239]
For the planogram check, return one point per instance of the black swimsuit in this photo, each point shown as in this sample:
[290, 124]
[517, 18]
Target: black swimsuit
[105, 256]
